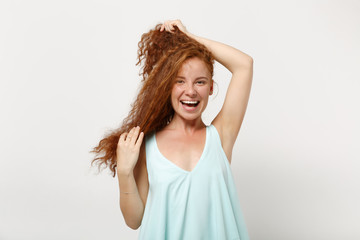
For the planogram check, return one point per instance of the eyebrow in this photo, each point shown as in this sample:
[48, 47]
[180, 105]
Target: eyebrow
[202, 77]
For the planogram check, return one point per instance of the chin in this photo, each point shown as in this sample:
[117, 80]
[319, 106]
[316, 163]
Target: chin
[189, 116]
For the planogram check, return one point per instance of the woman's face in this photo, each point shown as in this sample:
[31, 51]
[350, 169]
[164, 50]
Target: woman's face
[191, 90]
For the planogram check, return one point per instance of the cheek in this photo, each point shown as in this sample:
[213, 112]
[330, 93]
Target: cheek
[174, 93]
[204, 91]
[174, 96]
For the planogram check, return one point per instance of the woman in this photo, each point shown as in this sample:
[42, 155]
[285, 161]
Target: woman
[177, 183]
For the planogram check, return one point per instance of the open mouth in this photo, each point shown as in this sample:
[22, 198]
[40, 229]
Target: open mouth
[190, 103]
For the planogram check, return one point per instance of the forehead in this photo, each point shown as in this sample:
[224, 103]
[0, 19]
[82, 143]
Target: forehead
[194, 67]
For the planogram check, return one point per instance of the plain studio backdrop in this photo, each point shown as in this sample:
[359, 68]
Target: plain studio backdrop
[68, 75]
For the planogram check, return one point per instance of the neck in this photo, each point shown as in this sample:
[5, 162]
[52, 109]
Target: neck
[186, 125]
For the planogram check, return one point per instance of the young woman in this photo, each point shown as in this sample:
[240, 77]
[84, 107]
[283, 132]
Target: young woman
[174, 171]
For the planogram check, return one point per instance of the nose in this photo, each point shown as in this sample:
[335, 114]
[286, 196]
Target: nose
[190, 90]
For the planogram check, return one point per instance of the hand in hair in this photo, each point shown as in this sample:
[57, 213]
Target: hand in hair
[170, 24]
[128, 149]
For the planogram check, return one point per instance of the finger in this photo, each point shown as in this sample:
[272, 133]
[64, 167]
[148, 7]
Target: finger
[179, 23]
[171, 25]
[140, 139]
[123, 136]
[162, 28]
[135, 135]
[170, 28]
[130, 135]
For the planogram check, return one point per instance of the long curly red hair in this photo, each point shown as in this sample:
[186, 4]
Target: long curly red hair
[162, 55]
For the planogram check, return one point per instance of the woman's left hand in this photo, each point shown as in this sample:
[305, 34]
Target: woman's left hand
[170, 24]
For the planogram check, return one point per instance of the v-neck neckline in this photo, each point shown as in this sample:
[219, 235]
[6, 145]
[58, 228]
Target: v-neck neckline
[198, 162]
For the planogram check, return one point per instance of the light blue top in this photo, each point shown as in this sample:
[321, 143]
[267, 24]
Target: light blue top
[198, 205]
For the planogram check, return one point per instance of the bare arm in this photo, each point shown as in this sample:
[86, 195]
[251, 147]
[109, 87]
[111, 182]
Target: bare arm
[229, 119]
[132, 205]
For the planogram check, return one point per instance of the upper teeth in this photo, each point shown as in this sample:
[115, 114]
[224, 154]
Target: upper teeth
[190, 102]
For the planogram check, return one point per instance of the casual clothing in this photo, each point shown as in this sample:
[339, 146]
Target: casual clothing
[201, 204]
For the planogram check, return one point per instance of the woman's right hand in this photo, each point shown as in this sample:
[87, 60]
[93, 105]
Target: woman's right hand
[128, 149]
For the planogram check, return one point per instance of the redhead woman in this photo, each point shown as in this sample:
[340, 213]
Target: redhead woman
[174, 171]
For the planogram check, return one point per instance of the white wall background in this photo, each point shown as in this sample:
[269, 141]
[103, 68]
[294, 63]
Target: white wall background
[68, 74]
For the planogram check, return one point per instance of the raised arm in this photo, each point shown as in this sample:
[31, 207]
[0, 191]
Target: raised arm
[229, 119]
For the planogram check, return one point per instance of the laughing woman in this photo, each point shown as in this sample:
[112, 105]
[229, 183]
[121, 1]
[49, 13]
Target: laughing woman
[174, 171]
